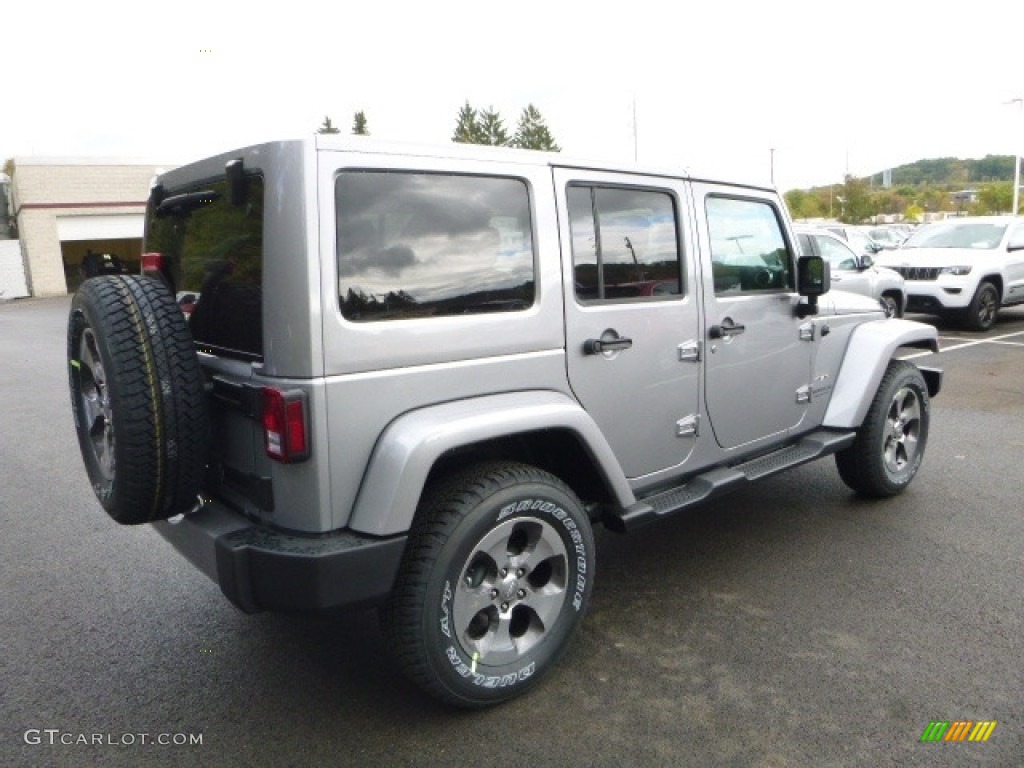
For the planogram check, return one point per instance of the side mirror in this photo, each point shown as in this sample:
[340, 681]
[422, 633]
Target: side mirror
[866, 262]
[813, 278]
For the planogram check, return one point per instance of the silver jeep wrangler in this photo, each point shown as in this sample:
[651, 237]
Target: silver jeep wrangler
[418, 377]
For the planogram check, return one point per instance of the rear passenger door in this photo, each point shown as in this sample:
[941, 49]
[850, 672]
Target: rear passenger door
[758, 351]
[631, 314]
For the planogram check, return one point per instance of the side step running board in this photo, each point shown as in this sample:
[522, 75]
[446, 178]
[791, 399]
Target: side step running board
[718, 481]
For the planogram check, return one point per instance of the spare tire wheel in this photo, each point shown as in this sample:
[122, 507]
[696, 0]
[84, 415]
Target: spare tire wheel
[138, 398]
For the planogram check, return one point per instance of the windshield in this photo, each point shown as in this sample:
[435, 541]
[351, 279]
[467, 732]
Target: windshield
[958, 234]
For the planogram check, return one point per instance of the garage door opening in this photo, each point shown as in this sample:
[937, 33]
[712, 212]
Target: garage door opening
[84, 258]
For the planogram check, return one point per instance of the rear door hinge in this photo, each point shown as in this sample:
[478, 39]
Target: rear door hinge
[691, 351]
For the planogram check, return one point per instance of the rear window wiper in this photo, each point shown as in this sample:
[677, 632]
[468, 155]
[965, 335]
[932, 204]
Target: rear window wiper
[187, 202]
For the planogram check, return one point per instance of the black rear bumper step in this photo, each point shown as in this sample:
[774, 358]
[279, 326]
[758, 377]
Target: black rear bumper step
[717, 481]
[261, 569]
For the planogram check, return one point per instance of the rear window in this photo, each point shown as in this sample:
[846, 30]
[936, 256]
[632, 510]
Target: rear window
[213, 252]
[414, 245]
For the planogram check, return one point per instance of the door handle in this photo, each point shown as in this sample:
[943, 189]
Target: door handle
[726, 329]
[597, 346]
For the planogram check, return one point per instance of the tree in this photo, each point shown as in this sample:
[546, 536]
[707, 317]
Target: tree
[856, 201]
[327, 127]
[467, 127]
[802, 204]
[996, 198]
[533, 133]
[913, 212]
[359, 124]
[492, 128]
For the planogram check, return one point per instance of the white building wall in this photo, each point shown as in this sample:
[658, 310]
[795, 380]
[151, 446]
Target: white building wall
[12, 271]
[48, 189]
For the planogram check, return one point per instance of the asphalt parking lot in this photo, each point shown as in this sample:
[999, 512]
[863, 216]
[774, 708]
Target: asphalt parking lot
[790, 624]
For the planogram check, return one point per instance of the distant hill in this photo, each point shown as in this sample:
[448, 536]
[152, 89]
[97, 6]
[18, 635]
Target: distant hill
[950, 171]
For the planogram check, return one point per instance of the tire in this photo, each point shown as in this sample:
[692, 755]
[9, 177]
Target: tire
[890, 444]
[137, 398]
[495, 580]
[981, 312]
[890, 305]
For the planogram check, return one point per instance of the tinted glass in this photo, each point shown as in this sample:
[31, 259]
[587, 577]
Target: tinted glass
[214, 256]
[427, 245]
[957, 234]
[748, 250]
[625, 243]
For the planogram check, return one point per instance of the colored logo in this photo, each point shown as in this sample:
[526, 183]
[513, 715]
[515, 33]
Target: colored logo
[958, 730]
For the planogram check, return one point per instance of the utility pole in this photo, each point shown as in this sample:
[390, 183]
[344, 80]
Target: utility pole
[1016, 160]
[771, 150]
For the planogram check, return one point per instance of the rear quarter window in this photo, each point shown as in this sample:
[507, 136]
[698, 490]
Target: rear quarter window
[414, 245]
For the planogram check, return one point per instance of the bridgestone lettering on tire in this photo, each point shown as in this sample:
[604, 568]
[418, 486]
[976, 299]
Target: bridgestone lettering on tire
[495, 580]
[137, 397]
[890, 444]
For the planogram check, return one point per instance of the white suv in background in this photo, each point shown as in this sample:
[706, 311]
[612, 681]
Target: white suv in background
[854, 272]
[966, 268]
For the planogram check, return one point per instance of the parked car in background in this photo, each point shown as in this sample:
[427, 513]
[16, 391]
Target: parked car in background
[964, 268]
[855, 272]
[857, 239]
[889, 238]
[187, 301]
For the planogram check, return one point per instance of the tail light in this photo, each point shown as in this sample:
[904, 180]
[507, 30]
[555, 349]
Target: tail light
[153, 262]
[285, 425]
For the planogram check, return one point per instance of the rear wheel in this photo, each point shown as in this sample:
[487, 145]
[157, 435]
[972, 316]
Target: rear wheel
[495, 580]
[890, 444]
[137, 397]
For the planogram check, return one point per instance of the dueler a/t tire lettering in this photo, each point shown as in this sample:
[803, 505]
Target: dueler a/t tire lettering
[137, 397]
[495, 580]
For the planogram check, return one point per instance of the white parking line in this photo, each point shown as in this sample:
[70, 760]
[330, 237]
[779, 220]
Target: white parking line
[974, 343]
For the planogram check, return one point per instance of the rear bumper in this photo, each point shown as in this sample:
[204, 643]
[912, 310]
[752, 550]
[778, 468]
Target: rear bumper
[258, 568]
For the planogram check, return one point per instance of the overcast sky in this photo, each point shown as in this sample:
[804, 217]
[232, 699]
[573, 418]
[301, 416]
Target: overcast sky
[831, 86]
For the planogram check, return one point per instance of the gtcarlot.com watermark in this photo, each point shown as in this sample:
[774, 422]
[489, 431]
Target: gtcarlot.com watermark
[55, 737]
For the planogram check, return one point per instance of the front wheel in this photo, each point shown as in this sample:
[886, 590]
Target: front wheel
[891, 305]
[981, 313]
[495, 580]
[890, 444]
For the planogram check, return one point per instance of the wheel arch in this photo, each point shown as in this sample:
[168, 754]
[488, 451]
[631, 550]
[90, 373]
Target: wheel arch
[871, 347]
[900, 296]
[547, 429]
[997, 281]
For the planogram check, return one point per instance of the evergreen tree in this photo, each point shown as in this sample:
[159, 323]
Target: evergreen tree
[327, 127]
[359, 124]
[533, 133]
[467, 127]
[492, 128]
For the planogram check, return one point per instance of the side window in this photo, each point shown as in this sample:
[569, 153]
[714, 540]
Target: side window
[414, 245]
[625, 243]
[1016, 239]
[837, 254]
[748, 250]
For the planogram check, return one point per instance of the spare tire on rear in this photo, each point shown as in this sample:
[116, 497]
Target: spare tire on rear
[138, 398]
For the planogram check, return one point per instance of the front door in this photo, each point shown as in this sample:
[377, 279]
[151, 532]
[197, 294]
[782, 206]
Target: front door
[758, 351]
[631, 314]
